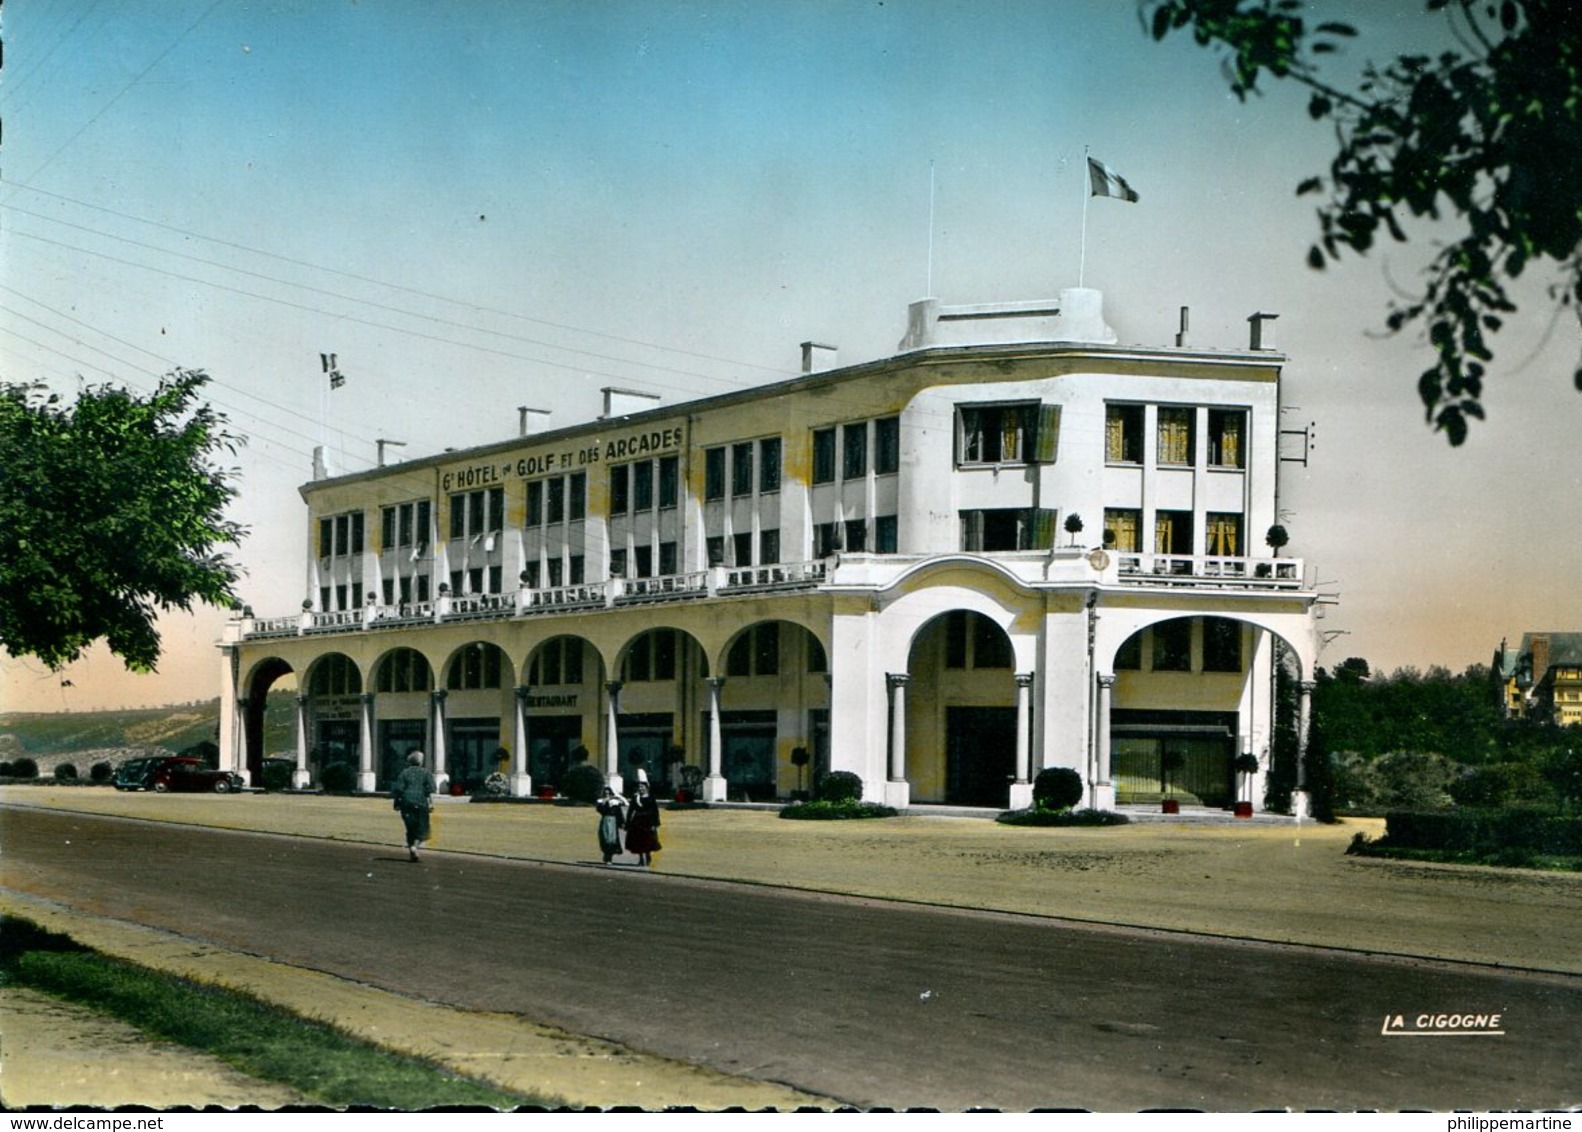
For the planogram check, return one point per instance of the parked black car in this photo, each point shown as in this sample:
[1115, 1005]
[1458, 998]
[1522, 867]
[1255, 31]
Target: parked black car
[174, 773]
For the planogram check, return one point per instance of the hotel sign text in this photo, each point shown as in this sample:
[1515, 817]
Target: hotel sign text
[629, 447]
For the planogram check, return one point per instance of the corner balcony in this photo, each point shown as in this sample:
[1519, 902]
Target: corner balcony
[1203, 570]
[584, 597]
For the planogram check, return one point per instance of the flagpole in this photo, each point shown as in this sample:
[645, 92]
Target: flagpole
[929, 293]
[1082, 258]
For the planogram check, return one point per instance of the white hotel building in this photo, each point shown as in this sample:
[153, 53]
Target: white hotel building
[876, 566]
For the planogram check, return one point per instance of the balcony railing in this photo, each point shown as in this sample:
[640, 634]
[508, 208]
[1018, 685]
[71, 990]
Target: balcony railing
[1209, 570]
[448, 608]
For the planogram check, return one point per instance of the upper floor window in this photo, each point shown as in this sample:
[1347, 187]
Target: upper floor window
[557, 499]
[1123, 434]
[1176, 436]
[714, 473]
[1223, 533]
[643, 486]
[768, 465]
[885, 534]
[335, 675]
[1007, 434]
[854, 449]
[620, 497]
[474, 513]
[1227, 431]
[973, 641]
[824, 455]
[1120, 528]
[742, 469]
[340, 535]
[405, 524]
[887, 445]
[405, 670]
[1221, 645]
[669, 481]
[651, 657]
[1009, 528]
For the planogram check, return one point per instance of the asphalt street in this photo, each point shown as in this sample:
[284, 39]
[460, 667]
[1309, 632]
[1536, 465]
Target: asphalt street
[876, 1004]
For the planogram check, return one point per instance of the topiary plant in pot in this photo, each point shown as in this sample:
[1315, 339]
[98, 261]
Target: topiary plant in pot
[1057, 788]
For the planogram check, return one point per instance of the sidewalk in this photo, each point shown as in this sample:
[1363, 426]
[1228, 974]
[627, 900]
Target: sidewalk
[1277, 881]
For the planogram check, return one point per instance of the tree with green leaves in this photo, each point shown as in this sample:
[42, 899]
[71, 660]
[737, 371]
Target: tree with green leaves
[111, 511]
[1487, 137]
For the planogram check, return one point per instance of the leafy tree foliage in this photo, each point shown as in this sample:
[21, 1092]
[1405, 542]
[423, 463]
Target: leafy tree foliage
[1490, 133]
[111, 510]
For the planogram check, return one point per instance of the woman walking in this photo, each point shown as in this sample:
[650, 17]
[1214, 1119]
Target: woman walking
[414, 798]
[612, 819]
[642, 826]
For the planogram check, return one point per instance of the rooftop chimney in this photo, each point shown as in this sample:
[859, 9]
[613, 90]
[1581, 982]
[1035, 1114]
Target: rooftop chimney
[1181, 335]
[1262, 335]
[524, 419]
[817, 357]
[621, 402]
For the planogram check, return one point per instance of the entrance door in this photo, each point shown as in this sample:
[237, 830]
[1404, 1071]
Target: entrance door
[644, 738]
[551, 739]
[980, 755]
[748, 751]
[397, 739]
[471, 751]
[337, 743]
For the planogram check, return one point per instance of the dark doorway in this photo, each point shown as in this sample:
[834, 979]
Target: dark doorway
[644, 739]
[550, 741]
[980, 755]
[471, 751]
[748, 739]
[397, 739]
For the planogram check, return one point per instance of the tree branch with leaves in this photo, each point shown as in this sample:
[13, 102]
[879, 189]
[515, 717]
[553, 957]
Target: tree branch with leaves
[112, 511]
[1488, 137]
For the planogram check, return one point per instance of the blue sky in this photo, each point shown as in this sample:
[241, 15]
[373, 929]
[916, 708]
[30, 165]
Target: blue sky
[484, 204]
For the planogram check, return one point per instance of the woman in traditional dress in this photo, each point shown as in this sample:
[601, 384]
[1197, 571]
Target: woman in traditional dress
[642, 826]
[612, 818]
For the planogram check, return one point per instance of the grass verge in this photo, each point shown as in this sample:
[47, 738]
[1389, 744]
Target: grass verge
[246, 1033]
[1507, 857]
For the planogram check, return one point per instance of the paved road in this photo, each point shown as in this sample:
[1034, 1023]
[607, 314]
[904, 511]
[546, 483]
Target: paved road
[875, 1004]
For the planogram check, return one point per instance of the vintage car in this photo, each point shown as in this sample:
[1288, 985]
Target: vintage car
[175, 773]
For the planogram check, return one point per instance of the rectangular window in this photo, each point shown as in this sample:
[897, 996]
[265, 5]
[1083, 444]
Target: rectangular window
[766, 649]
[669, 481]
[357, 532]
[1120, 529]
[714, 473]
[667, 559]
[340, 597]
[1223, 534]
[579, 495]
[577, 570]
[1173, 645]
[826, 539]
[475, 505]
[741, 469]
[768, 548]
[1173, 532]
[1008, 528]
[1226, 430]
[618, 489]
[645, 561]
[422, 587]
[496, 511]
[643, 486]
[769, 465]
[535, 503]
[475, 580]
[496, 577]
[1175, 436]
[742, 549]
[887, 446]
[423, 525]
[1123, 434]
[458, 516]
[885, 539]
[856, 535]
[715, 548]
[557, 572]
[1221, 645]
[387, 528]
[854, 459]
[824, 455]
[326, 538]
[1004, 434]
[618, 563]
[557, 500]
[531, 575]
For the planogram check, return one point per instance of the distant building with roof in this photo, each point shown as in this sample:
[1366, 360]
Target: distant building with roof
[1542, 678]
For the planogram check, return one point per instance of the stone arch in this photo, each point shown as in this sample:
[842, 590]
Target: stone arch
[658, 697]
[473, 716]
[773, 698]
[564, 679]
[960, 728]
[256, 686]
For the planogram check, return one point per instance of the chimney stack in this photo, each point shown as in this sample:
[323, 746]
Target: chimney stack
[1262, 335]
[621, 402]
[525, 421]
[1181, 335]
[817, 357]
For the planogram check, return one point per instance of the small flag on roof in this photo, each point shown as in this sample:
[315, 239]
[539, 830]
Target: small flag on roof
[1108, 183]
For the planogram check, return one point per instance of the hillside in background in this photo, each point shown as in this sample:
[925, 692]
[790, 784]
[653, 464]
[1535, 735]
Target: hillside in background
[48, 737]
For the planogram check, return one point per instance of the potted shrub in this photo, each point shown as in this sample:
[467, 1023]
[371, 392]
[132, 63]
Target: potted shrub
[799, 759]
[691, 783]
[1073, 526]
[1169, 763]
[1246, 765]
[1057, 788]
